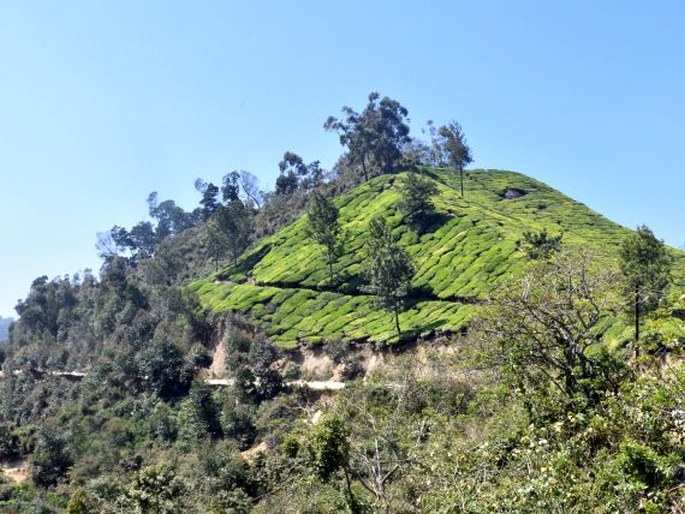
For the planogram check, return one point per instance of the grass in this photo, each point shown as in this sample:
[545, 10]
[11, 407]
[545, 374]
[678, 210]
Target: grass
[470, 249]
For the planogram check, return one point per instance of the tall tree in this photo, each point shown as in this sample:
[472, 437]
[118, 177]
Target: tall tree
[229, 230]
[646, 267]
[388, 269]
[376, 135]
[416, 203]
[210, 194]
[324, 228]
[451, 148]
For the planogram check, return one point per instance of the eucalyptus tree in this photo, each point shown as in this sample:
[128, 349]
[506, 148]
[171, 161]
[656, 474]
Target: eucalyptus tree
[375, 136]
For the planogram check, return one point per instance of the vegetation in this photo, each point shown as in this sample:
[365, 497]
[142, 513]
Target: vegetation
[374, 137]
[324, 229]
[417, 203]
[388, 269]
[646, 268]
[450, 149]
[192, 374]
[540, 245]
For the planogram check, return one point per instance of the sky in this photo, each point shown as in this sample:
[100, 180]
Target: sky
[103, 102]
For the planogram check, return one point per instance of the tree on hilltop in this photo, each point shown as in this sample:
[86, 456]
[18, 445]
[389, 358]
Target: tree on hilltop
[449, 144]
[375, 136]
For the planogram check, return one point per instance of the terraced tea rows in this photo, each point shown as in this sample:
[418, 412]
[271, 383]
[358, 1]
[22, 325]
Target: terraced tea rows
[468, 250]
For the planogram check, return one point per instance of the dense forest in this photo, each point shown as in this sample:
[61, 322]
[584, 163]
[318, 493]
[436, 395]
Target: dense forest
[399, 334]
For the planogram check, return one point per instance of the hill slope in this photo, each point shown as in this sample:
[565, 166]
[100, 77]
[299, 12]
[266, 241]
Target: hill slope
[469, 250]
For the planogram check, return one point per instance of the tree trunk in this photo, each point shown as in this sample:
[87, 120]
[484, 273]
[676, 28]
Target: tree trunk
[397, 322]
[461, 176]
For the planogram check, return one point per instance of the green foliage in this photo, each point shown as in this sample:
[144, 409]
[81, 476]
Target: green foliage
[417, 204]
[463, 257]
[375, 136]
[324, 228]
[646, 268]
[229, 231]
[51, 460]
[546, 332]
[9, 444]
[388, 269]
[162, 365]
[156, 490]
[540, 245]
[450, 149]
[329, 448]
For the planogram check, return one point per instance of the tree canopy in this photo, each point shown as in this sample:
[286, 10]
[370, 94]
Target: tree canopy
[374, 137]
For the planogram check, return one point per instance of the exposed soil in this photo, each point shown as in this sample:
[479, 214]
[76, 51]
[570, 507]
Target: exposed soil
[316, 364]
[512, 192]
[17, 471]
[218, 366]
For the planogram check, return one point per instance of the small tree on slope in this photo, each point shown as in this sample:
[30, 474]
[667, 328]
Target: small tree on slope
[417, 199]
[388, 269]
[324, 228]
[646, 268]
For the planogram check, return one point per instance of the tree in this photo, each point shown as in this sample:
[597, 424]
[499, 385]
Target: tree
[250, 186]
[416, 203]
[229, 231]
[646, 267]
[451, 148]
[51, 459]
[162, 364]
[329, 448]
[324, 228]
[540, 245]
[171, 219]
[210, 194]
[545, 330]
[296, 175]
[375, 136]
[388, 269]
[230, 189]
[156, 489]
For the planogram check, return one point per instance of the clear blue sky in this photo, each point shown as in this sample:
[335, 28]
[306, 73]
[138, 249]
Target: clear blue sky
[103, 102]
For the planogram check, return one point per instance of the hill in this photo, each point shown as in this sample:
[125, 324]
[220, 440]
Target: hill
[470, 249]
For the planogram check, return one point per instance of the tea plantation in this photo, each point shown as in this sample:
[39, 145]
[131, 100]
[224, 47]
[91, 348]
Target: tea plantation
[469, 248]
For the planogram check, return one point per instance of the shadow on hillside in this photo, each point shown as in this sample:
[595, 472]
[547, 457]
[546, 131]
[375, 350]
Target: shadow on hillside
[432, 223]
[245, 265]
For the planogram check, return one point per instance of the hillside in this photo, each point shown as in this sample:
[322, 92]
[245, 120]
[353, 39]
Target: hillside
[468, 251]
